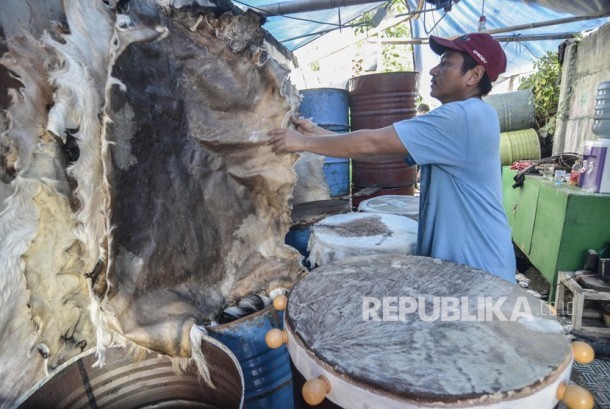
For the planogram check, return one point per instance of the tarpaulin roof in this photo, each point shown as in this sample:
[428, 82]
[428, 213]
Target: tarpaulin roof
[295, 30]
[522, 45]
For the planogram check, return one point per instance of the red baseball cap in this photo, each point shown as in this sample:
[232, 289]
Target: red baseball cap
[480, 46]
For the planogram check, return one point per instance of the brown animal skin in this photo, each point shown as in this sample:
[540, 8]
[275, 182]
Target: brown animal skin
[141, 195]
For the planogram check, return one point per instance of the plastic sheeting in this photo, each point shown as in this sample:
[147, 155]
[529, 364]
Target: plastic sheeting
[295, 30]
[298, 29]
[503, 14]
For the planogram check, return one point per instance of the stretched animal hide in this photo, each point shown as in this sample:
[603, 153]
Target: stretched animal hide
[311, 184]
[43, 291]
[199, 202]
[141, 197]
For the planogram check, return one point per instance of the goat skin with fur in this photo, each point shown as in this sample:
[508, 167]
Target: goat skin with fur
[139, 194]
[44, 293]
[199, 201]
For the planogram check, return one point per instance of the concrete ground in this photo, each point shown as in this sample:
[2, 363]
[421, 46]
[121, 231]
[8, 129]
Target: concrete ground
[595, 377]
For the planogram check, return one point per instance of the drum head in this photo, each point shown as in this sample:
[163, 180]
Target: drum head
[354, 234]
[427, 331]
[403, 205]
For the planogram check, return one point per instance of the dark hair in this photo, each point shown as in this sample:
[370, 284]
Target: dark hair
[423, 108]
[468, 64]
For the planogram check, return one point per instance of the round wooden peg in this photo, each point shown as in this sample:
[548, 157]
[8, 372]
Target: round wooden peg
[279, 302]
[315, 390]
[583, 352]
[275, 338]
[575, 397]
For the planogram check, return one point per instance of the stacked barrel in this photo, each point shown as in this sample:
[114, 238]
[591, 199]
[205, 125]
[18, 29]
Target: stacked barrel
[377, 101]
[328, 108]
[517, 115]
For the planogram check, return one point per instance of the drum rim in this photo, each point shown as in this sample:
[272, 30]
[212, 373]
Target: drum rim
[455, 401]
[296, 342]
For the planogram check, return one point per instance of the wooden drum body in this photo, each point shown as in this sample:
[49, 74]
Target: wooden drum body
[394, 331]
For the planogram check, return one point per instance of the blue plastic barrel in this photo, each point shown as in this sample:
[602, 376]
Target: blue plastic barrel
[329, 108]
[266, 371]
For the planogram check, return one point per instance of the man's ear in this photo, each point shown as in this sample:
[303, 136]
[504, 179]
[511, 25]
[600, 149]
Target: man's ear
[476, 74]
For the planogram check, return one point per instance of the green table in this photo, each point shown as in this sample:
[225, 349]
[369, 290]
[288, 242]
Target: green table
[554, 225]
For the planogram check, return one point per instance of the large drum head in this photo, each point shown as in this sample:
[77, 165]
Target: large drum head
[424, 332]
[347, 235]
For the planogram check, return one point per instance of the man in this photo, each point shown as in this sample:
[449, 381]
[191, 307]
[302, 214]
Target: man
[457, 148]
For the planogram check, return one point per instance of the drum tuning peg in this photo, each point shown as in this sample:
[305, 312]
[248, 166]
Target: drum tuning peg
[575, 396]
[583, 352]
[279, 302]
[315, 390]
[275, 338]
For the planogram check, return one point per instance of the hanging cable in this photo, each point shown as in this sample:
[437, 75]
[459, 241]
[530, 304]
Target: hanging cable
[529, 50]
[482, 19]
[435, 24]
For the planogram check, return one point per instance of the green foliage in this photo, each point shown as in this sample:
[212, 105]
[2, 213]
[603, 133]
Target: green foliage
[397, 57]
[544, 83]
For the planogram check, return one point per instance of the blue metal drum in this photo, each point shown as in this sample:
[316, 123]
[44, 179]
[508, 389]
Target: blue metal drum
[266, 371]
[329, 108]
[336, 173]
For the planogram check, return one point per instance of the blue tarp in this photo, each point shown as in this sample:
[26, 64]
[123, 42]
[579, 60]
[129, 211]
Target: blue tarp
[295, 30]
[500, 14]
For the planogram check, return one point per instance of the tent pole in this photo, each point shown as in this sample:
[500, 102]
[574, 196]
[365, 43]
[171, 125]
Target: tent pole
[298, 6]
[547, 23]
[505, 38]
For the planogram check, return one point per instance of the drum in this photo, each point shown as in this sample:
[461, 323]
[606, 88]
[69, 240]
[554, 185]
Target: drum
[267, 374]
[393, 331]
[346, 235]
[394, 204]
[144, 382]
[304, 215]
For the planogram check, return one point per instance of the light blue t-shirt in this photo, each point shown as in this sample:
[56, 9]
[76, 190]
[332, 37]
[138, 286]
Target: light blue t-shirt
[461, 217]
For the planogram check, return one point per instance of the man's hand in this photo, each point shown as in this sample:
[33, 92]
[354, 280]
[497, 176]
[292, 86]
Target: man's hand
[286, 140]
[289, 140]
[308, 128]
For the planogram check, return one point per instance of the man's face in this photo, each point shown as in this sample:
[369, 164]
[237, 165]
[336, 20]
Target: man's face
[448, 82]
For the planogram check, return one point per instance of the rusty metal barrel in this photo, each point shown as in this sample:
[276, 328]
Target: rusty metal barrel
[376, 101]
[146, 381]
